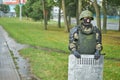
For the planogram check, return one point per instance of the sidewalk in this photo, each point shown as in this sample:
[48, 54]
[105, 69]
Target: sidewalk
[7, 67]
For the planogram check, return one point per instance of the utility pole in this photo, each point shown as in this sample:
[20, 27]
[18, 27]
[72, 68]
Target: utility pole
[20, 15]
[20, 7]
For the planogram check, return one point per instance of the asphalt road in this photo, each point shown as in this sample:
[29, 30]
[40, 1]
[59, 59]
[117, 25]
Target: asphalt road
[8, 70]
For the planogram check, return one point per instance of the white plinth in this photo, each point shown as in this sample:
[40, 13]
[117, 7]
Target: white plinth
[85, 68]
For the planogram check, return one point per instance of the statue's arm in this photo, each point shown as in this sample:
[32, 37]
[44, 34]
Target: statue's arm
[98, 39]
[73, 37]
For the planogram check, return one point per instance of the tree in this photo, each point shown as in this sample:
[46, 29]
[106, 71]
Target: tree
[32, 9]
[79, 10]
[47, 7]
[4, 8]
[59, 17]
[97, 9]
[119, 17]
[59, 14]
[65, 16]
[59, 4]
[104, 16]
[38, 10]
[44, 14]
[70, 7]
[18, 10]
[114, 2]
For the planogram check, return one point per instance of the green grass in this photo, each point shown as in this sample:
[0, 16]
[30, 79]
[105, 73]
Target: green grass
[49, 52]
[33, 33]
[47, 65]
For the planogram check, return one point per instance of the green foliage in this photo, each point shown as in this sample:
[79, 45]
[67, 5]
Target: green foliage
[17, 9]
[112, 6]
[4, 8]
[72, 6]
[71, 9]
[111, 10]
[114, 2]
[34, 9]
[36, 12]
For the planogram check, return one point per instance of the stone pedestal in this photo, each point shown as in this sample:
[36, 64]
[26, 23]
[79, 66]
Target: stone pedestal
[85, 68]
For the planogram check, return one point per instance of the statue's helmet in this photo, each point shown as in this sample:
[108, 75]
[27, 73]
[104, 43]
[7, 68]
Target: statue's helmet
[85, 14]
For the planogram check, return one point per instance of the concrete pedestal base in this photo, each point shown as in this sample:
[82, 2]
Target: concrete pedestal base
[85, 68]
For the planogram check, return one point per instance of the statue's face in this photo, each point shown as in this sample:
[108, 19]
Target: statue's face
[87, 21]
[87, 27]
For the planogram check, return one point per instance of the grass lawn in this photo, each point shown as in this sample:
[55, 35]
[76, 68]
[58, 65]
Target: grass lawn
[48, 52]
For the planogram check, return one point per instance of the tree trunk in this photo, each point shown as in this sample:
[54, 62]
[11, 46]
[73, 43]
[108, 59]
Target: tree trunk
[104, 16]
[69, 20]
[119, 21]
[97, 9]
[45, 15]
[118, 18]
[78, 11]
[65, 17]
[59, 18]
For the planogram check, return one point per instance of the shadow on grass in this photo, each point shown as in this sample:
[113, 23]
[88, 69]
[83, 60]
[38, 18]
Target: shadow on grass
[114, 59]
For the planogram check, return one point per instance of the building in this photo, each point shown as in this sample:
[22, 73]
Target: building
[55, 13]
[12, 4]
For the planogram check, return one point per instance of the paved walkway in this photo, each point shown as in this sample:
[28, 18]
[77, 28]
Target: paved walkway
[7, 67]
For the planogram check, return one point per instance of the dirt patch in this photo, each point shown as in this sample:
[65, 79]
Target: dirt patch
[115, 37]
[114, 59]
[49, 49]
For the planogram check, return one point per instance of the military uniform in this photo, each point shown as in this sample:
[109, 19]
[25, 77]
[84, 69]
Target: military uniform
[85, 38]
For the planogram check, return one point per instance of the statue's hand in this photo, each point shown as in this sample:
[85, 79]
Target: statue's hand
[76, 54]
[97, 55]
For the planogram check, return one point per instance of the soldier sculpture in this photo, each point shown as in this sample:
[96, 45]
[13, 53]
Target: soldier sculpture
[85, 38]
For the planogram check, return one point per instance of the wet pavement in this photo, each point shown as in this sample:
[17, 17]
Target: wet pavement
[7, 67]
[9, 50]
